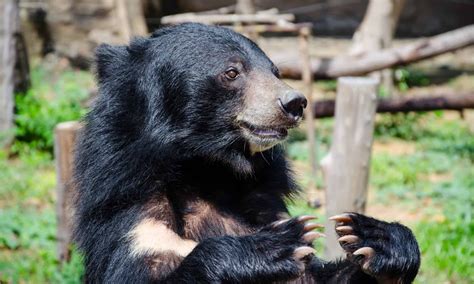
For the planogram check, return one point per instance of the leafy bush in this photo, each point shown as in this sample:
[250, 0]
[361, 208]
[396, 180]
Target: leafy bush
[407, 78]
[45, 105]
[400, 125]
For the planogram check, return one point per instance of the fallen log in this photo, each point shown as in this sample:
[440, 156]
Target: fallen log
[359, 65]
[325, 108]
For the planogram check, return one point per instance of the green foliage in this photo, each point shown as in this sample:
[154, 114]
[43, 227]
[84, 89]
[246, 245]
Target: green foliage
[407, 78]
[28, 223]
[389, 172]
[448, 253]
[429, 130]
[27, 216]
[32, 237]
[327, 85]
[46, 104]
[298, 151]
[382, 92]
[400, 125]
[449, 137]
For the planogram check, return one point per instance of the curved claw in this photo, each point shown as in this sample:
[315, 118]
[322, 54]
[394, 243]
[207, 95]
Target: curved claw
[366, 265]
[305, 218]
[348, 239]
[344, 229]
[311, 226]
[280, 222]
[311, 236]
[302, 252]
[341, 218]
[368, 252]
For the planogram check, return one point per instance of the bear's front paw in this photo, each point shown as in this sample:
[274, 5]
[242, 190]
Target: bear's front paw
[287, 245]
[387, 251]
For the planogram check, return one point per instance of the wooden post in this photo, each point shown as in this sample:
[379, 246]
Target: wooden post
[307, 74]
[9, 28]
[64, 140]
[346, 167]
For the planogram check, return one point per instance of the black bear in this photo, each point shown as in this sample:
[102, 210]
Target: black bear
[180, 179]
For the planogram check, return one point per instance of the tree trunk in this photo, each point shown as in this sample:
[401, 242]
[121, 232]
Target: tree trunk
[378, 26]
[132, 18]
[346, 167]
[9, 29]
[245, 7]
[376, 32]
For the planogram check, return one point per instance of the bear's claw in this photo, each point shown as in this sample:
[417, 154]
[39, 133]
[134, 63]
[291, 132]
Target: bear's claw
[348, 239]
[344, 230]
[344, 218]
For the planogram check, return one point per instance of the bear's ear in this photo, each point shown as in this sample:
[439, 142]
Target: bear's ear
[109, 60]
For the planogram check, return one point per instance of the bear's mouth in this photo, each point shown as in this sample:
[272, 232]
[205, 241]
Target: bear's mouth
[266, 133]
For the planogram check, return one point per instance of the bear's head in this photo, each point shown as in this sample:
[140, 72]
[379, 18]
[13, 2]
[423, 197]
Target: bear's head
[198, 91]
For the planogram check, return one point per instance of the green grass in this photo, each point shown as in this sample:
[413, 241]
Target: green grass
[28, 223]
[447, 251]
[444, 148]
[27, 180]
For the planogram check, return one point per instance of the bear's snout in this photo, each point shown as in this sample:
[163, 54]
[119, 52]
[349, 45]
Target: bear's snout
[292, 104]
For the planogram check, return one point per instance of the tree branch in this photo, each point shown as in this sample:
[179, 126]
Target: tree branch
[378, 60]
[449, 101]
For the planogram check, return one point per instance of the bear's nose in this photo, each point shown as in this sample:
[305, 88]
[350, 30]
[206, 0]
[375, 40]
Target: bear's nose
[292, 104]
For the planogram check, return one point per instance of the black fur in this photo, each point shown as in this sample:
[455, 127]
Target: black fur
[161, 138]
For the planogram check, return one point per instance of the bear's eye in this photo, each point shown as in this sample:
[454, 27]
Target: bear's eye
[231, 73]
